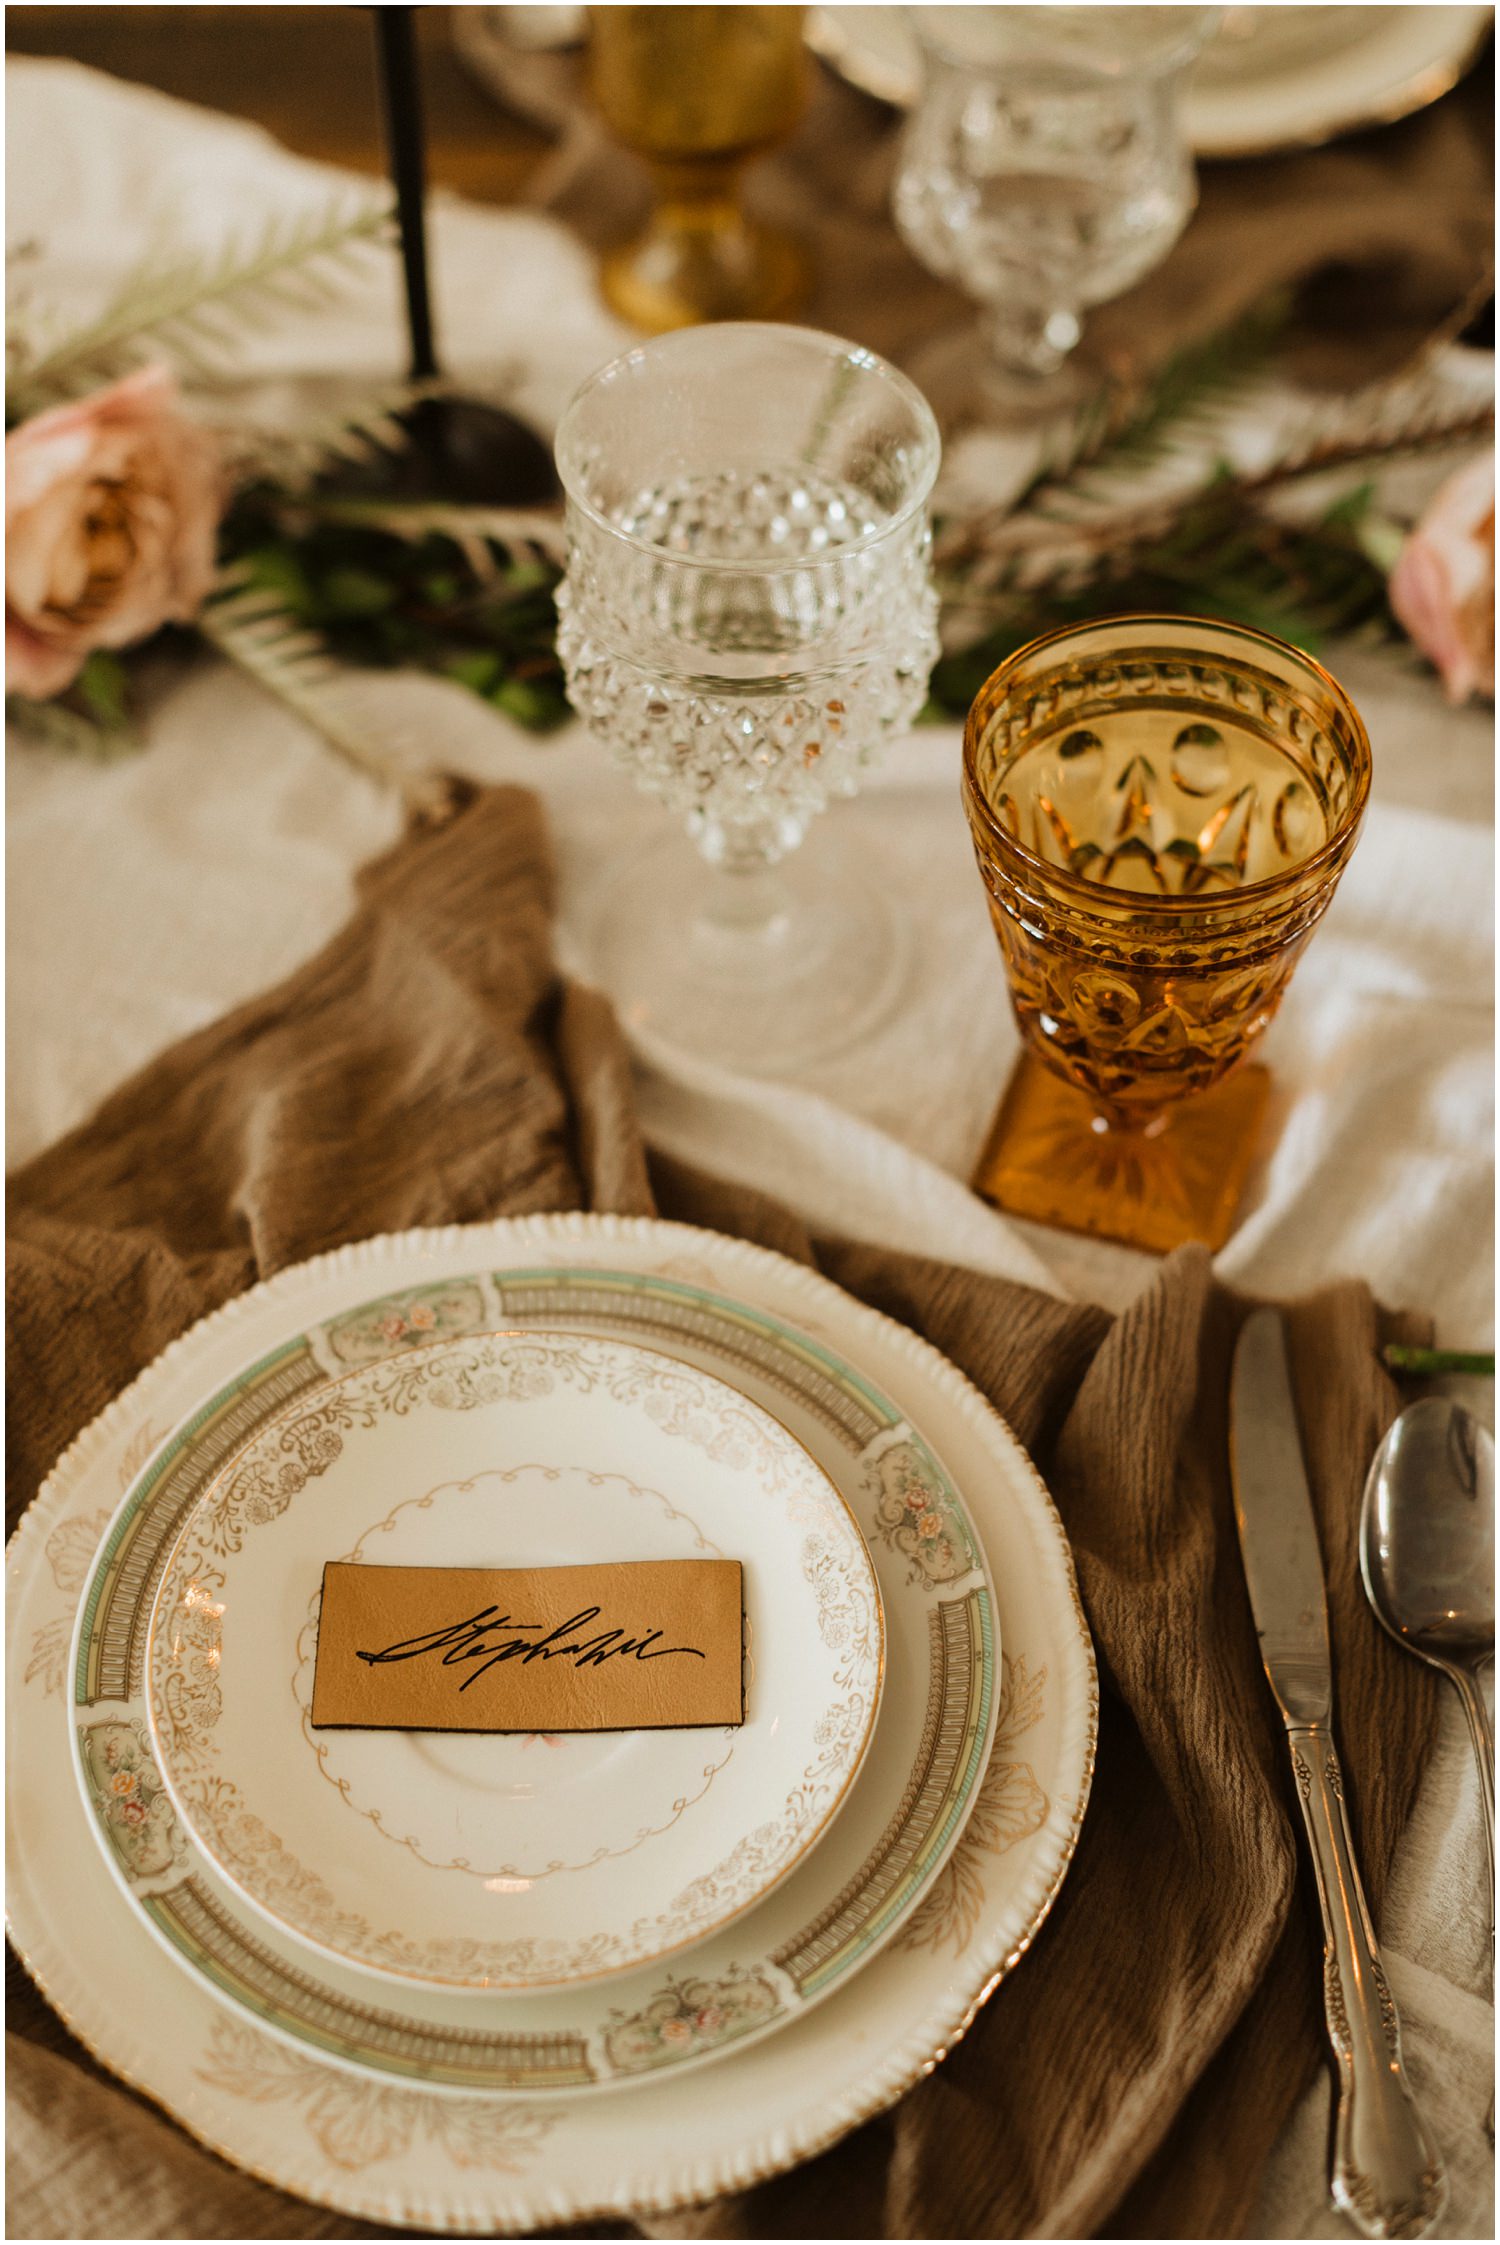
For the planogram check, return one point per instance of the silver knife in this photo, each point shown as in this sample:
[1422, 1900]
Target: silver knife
[1387, 2176]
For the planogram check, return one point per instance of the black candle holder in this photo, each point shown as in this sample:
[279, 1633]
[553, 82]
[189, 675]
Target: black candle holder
[460, 449]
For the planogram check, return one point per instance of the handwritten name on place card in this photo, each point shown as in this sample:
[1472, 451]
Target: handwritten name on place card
[651, 1644]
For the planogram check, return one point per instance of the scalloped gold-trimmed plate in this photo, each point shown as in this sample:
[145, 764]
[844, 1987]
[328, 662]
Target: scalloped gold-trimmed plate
[434, 2158]
[474, 1860]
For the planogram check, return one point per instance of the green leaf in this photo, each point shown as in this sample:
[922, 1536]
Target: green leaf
[101, 687]
[357, 592]
[530, 705]
[1348, 511]
[478, 672]
[69, 729]
[278, 569]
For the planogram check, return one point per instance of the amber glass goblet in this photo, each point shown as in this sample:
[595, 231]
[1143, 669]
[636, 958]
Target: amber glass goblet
[698, 92]
[1161, 809]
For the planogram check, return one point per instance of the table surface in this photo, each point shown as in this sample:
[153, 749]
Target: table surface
[149, 895]
[307, 74]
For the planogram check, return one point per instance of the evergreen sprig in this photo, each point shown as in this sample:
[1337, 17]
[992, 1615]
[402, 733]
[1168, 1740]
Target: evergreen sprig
[1217, 557]
[1128, 429]
[198, 310]
[354, 432]
[1082, 541]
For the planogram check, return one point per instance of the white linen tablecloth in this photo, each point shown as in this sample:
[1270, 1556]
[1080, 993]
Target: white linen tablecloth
[149, 895]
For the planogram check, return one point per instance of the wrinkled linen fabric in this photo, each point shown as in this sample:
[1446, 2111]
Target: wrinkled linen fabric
[430, 1066]
[148, 897]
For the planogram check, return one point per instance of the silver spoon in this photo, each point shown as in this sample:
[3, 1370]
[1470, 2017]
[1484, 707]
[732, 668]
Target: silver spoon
[1427, 1554]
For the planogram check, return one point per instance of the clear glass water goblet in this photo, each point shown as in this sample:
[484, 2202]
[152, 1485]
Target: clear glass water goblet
[747, 619]
[1044, 170]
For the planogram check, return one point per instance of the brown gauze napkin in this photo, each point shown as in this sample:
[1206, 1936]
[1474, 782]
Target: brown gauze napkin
[1132, 2073]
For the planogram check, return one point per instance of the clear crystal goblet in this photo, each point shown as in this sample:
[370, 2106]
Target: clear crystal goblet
[747, 619]
[1044, 170]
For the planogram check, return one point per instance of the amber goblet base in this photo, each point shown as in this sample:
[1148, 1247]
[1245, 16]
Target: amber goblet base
[1050, 1157]
[700, 257]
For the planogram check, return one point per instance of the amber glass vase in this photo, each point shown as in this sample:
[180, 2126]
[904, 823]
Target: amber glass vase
[1161, 809]
[698, 92]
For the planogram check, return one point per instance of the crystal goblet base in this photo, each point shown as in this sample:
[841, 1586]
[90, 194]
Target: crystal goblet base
[1053, 1158]
[968, 385]
[766, 971]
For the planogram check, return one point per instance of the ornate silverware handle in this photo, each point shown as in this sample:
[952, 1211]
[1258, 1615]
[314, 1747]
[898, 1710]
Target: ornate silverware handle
[1387, 2176]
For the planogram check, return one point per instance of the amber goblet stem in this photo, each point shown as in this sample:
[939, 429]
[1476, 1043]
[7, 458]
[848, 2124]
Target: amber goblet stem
[1142, 1124]
[701, 198]
[698, 93]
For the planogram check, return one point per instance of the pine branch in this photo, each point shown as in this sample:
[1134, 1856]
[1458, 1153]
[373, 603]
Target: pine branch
[1125, 431]
[1220, 558]
[197, 308]
[1004, 549]
[255, 631]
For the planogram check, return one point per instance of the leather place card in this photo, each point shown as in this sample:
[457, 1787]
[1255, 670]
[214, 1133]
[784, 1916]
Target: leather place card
[651, 1644]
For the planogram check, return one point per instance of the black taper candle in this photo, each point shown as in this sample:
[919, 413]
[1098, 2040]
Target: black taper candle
[460, 448]
[395, 29]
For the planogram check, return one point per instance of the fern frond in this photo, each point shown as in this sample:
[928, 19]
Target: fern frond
[254, 630]
[520, 532]
[197, 308]
[362, 429]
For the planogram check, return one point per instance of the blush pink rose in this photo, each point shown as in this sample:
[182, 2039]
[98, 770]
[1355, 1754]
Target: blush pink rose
[111, 515]
[1443, 585]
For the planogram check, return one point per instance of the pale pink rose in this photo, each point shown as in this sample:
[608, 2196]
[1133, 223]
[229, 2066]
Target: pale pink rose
[111, 514]
[1443, 585]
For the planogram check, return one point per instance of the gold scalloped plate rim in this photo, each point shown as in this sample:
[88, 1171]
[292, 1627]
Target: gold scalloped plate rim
[730, 2174]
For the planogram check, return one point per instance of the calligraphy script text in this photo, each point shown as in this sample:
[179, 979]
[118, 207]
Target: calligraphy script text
[480, 1640]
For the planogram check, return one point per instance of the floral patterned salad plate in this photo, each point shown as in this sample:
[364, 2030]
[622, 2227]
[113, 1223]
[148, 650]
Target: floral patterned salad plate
[455, 2112]
[478, 1860]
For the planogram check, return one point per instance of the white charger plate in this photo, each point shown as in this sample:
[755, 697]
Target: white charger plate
[478, 1861]
[476, 2163]
[1274, 78]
